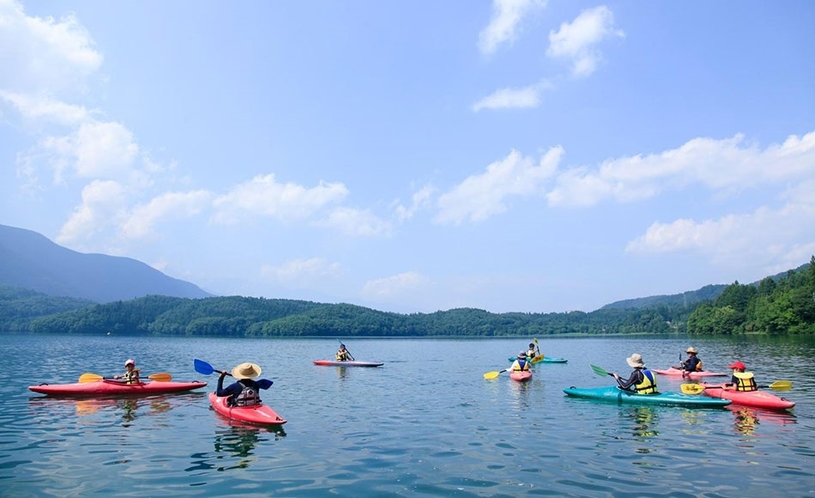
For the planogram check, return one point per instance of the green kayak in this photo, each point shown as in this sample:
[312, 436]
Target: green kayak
[617, 395]
[546, 359]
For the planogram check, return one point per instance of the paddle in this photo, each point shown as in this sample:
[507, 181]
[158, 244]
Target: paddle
[779, 385]
[600, 371]
[494, 374]
[346, 350]
[539, 357]
[92, 377]
[205, 368]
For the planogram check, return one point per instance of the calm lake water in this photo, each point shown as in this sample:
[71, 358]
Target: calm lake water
[424, 424]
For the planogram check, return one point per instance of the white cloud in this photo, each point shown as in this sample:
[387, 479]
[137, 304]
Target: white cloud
[102, 205]
[42, 55]
[169, 206]
[390, 287]
[264, 196]
[46, 109]
[512, 98]
[717, 164]
[299, 271]
[506, 15]
[578, 40]
[481, 196]
[355, 222]
[419, 200]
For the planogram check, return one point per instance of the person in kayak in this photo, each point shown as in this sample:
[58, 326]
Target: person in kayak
[520, 364]
[343, 354]
[741, 380]
[131, 375]
[245, 391]
[692, 364]
[641, 380]
[533, 351]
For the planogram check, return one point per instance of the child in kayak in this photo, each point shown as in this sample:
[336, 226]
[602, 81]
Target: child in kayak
[244, 392]
[533, 351]
[641, 380]
[131, 375]
[741, 380]
[343, 354]
[520, 364]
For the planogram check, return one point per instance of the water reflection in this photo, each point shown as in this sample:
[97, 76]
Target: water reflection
[644, 422]
[234, 447]
[746, 420]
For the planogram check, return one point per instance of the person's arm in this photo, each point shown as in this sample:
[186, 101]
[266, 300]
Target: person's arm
[633, 379]
[229, 390]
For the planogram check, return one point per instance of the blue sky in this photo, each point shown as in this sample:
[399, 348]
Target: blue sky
[534, 156]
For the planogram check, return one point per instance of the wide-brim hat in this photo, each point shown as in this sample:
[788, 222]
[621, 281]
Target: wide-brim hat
[691, 350]
[737, 365]
[246, 371]
[635, 361]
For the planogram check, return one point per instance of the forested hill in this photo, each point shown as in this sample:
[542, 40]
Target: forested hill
[775, 305]
[690, 298]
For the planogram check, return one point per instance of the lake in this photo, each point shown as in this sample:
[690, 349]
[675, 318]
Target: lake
[425, 424]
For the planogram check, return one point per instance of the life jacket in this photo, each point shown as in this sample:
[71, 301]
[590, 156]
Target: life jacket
[745, 381]
[131, 377]
[342, 355]
[648, 384]
[531, 353]
[249, 396]
[520, 365]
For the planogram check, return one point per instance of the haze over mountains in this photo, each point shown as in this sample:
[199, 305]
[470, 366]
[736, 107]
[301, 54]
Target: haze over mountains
[31, 261]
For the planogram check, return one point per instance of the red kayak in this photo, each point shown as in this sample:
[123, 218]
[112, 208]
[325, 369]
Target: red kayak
[759, 399]
[675, 372]
[259, 414]
[520, 376]
[334, 363]
[107, 387]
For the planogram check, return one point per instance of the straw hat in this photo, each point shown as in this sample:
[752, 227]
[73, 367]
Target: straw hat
[246, 371]
[635, 361]
[691, 350]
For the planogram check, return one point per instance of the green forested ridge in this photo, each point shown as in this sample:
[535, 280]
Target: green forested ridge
[776, 305]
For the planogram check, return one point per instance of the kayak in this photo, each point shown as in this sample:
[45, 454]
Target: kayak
[675, 372]
[520, 376]
[617, 395]
[759, 399]
[259, 414]
[108, 387]
[334, 363]
[546, 359]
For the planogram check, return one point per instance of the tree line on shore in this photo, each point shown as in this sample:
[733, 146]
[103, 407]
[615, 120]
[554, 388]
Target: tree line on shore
[776, 305]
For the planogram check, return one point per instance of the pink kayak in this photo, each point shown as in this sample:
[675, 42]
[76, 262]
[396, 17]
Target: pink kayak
[334, 363]
[107, 387]
[759, 399]
[259, 414]
[675, 372]
[520, 376]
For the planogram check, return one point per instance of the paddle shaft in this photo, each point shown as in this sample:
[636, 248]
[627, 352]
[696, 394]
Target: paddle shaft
[346, 350]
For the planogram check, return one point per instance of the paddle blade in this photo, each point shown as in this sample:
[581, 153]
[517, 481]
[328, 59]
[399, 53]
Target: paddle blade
[89, 377]
[202, 367]
[692, 388]
[265, 383]
[161, 377]
[492, 375]
[599, 371]
[781, 385]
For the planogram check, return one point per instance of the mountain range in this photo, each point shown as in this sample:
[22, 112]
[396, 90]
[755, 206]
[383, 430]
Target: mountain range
[29, 260]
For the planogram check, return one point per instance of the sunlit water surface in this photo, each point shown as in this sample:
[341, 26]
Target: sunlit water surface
[426, 423]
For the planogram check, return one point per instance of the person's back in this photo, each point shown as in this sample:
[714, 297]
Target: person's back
[520, 364]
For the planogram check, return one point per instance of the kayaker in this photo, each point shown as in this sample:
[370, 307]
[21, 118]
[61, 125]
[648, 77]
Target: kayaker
[741, 380]
[692, 364]
[641, 380]
[533, 351]
[131, 375]
[343, 354]
[520, 364]
[245, 391]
